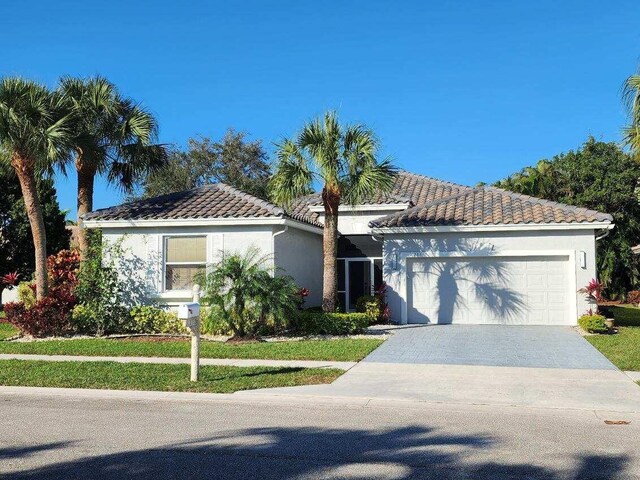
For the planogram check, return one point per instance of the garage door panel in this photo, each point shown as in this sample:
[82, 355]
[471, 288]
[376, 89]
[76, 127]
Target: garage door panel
[505, 290]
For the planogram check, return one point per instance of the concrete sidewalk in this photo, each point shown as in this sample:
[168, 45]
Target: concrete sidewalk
[233, 362]
[605, 389]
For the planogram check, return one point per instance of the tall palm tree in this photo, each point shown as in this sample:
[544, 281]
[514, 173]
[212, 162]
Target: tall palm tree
[113, 136]
[631, 97]
[34, 134]
[344, 159]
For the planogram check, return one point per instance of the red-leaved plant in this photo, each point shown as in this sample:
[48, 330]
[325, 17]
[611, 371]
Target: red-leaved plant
[52, 314]
[10, 280]
[381, 293]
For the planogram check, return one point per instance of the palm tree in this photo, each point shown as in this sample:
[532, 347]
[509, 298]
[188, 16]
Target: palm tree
[631, 97]
[344, 159]
[113, 136]
[34, 134]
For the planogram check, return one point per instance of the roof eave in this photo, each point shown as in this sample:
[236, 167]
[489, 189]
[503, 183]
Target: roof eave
[600, 225]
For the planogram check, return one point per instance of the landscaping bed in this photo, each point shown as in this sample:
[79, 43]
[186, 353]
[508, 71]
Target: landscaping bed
[342, 350]
[156, 377]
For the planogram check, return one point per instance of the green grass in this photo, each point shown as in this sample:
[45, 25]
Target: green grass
[346, 350]
[7, 331]
[166, 378]
[622, 348]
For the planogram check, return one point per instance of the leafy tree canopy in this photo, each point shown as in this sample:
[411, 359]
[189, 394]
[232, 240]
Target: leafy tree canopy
[233, 160]
[602, 177]
[16, 245]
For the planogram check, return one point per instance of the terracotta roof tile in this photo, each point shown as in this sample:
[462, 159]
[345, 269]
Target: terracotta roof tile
[211, 201]
[489, 206]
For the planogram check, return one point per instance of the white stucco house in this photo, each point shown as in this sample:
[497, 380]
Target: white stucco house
[448, 253]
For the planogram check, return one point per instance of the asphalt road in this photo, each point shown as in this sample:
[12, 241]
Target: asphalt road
[44, 437]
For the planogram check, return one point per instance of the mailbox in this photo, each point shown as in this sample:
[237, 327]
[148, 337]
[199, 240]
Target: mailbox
[187, 311]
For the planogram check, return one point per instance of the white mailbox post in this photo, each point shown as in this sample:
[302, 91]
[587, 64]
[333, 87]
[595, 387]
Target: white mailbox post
[190, 314]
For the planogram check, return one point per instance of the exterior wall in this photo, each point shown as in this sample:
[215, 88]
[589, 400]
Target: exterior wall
[141, 264]
[299, 254]
[357, 223]
[397, 247]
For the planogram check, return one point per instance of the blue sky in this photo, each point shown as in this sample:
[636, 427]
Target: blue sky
[463, 91]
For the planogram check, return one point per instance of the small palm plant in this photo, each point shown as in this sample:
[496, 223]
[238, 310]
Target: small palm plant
[243, 293]
[344, 159]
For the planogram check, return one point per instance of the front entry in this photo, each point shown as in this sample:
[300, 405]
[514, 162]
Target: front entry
[357, 277]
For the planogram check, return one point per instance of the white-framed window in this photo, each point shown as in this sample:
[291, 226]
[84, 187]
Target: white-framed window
[184, 258]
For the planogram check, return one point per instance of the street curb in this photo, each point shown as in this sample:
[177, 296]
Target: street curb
[289, 400]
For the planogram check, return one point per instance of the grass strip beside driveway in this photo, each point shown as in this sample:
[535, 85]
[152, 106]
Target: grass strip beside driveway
[340, 350]
[623, 348]
[154, 377]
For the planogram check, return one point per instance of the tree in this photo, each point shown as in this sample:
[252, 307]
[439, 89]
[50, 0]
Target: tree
[602, 177]
[34, 134]
[113, 136]
[16, 248]
[232, 160]
[631, 97]
[344, 159]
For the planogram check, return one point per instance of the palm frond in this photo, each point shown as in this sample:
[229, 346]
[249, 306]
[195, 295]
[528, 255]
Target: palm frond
[368, 180]
[293, 176]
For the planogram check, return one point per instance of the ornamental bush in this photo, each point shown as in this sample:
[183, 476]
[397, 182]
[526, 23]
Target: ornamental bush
[52, 314]
[593, 323]
[150, 319]
[370, 305]
[321, 323]
[633, 297]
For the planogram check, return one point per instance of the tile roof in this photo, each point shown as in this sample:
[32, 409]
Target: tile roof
[431, 202]
[407, 188]
[488, 206]
[210, 201]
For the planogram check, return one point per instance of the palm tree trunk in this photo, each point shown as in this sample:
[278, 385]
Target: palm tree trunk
[331, 202]
[86, 176]
[25, 170]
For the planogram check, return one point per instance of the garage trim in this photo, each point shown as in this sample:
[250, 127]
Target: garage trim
[405, 256]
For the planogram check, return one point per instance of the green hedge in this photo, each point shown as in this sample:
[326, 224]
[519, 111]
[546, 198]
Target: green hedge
[593, 323]
[320, 323]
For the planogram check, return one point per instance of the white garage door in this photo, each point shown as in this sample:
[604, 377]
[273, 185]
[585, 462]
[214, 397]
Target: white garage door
[504, 290]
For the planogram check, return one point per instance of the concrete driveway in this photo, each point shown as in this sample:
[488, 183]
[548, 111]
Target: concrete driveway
[491, 346]
[551, 367]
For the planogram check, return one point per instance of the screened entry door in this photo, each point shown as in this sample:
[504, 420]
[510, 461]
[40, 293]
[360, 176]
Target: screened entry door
[357, 277]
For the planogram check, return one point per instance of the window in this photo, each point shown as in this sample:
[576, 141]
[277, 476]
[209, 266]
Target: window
[184, 258]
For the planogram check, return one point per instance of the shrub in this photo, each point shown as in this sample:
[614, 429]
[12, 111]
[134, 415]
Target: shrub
[370, 305]
[242, 291]
[101, 292]
[320, 323]
[593, 323]
[49, 316]
[149, 319]
[52, 314]
[27, 293]
[633, 297]
[214, 321]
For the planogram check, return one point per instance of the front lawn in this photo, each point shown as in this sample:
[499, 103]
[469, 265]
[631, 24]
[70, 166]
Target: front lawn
[344, 349]
[7, 331]
[167, 378]
[623, 348]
